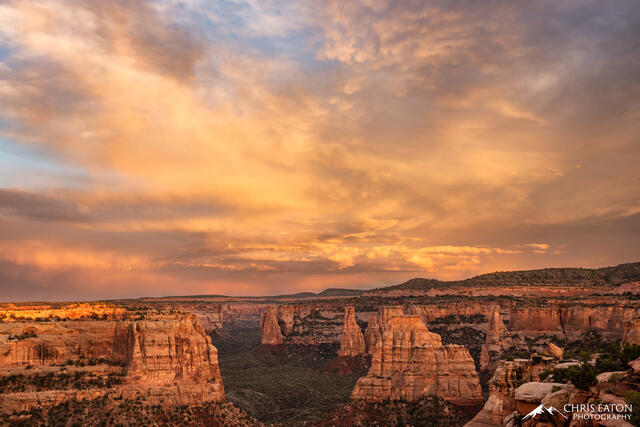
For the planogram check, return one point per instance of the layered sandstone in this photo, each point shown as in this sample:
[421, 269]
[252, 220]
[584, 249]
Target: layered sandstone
[352, 341]
[570, 319]
[410, 362]
[373, 333]
[270, 329]
[508, 376]
[163, 359]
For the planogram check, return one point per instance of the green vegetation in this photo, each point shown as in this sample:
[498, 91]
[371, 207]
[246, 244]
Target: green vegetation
[91, 361]
[608, 357]
[283, 384]
[612, 358]
[430, 411]
[107, 411]
[582, 376]
[547, 276]
[633, 397]
[58, 381]
[455, 319]
[471, 338]
[24, 336]
[517, 353]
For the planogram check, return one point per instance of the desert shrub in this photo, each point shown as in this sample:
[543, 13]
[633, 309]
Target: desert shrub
[544, 374]
[582, 376]
[612, 358]
[633, 397]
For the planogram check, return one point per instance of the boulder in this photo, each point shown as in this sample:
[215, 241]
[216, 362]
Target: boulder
[606, 376]
[555, 351]
[534, 391]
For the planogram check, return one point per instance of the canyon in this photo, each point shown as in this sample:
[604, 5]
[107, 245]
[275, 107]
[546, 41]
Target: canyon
[470, 353]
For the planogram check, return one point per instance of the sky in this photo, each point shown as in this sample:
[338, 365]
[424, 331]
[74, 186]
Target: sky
[257, 147]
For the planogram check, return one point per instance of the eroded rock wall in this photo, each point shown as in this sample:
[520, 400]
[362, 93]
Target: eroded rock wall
[164, 359]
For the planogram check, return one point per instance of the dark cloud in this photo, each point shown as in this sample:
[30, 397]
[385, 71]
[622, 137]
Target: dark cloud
[38, 207]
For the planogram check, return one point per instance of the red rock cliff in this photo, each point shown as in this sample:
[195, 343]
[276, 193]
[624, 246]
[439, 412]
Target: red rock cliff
[164, 359]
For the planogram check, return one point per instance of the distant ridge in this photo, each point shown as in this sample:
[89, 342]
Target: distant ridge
[546, 276]
[329, 292]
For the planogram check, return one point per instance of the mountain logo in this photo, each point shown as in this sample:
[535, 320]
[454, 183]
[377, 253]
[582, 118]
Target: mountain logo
[543, 410]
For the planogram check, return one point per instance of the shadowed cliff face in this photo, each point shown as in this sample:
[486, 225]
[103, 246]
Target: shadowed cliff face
[161, 358]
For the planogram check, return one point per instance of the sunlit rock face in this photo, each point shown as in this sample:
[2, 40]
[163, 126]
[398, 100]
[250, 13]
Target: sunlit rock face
[271, 333]
[508, 376]
[559, 319]
[410, 362]
[161, 358]
[352, 341]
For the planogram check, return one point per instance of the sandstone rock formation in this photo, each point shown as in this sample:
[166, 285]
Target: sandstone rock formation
[372, 334]
[271, 333]
[509, 375]
[386, 312]
[409, 362]
[631, 333]
[286, 314]
[492, 348]
[165, 358]
[352, 341]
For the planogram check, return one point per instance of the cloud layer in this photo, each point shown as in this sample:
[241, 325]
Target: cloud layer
[244, 147]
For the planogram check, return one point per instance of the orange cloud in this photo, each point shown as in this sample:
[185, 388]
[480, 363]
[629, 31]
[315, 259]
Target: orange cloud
[373, 140]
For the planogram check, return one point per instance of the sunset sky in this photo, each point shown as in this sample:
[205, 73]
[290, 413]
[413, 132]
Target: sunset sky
[255, 147]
